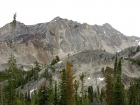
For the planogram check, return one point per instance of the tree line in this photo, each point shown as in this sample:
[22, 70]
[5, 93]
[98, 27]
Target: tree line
[68, 91]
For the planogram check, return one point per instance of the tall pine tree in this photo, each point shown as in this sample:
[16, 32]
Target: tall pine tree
[41, 98]
[67, 85]
[108, 75]
[70, 83]
[118, 90]
[9, 89]
[63, 88]
[82, 87]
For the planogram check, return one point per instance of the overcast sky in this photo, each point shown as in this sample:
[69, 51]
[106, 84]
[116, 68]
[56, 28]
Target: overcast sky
[123, 15]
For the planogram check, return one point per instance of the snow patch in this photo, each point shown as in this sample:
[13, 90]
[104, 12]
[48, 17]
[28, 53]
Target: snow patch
[118, 51]
[25, 69]
[105, 33]
[60, 62]
[88, 77]
[101, 79]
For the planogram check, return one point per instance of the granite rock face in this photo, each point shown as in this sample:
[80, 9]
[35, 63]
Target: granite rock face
[41, 42]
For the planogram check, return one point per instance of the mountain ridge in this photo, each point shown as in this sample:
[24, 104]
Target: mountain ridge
[43, 41]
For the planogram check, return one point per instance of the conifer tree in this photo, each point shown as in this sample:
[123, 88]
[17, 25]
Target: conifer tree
[9, 89]
[119, 69]
[67, 85]
[76, 86]
[50, 90]
[63, 88]
[108, 75]
[115, 66]
[12, 66]
[55, 94]
[85, 99]
[35, 71]
[118, 90]
[41, 97]
[138, 48]
[13, 31]
[134, 93]
[70, 83]
[102, 96]
[90, 94]
[82, 87]
[27, 98]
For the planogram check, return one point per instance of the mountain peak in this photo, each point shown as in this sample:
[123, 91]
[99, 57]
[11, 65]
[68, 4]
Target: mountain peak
[57, 18]
[107, 25]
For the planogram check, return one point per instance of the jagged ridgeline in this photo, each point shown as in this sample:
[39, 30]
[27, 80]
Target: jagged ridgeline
[63, 62]
[43, 41]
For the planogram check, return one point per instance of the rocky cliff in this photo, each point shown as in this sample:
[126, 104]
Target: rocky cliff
[41, 42]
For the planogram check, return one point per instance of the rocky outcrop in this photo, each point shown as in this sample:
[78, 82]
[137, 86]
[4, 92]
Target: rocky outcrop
[91, 62]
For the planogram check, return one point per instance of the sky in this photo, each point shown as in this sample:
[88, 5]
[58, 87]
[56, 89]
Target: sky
[123, 15]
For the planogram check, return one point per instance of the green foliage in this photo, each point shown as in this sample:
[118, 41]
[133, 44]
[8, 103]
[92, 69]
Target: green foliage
[52, 68]
[132, 51]
[16, 78]
[76, 98]
[9, 88]
[67, 92]
[3, 76]
[118, 96]
[14, 20]
[41, 98]
[82, 86]
[27, 98]
[119, 69]
[63, 89]
[85, 99]
[35, 71]
[54, 61]
[56, 94]
[118, 88]
[50, 91]
[115, 66]
[108, 75]
[138, 48]
[134, 93]
[90, 94]
[46, 73]
[102, 95]
[136, 61]
[57, 58]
